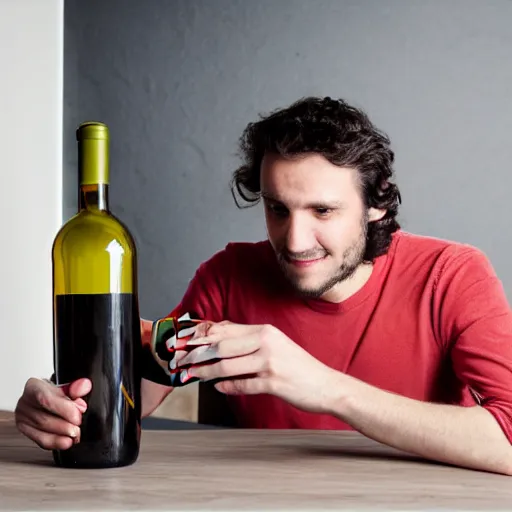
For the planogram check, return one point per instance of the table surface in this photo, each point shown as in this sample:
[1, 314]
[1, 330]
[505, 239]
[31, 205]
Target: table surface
[183, 468]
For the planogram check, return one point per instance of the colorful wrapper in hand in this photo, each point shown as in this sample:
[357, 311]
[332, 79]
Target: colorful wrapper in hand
[169, 335]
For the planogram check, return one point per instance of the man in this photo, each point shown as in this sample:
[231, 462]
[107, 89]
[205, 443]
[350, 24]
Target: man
[341, 319]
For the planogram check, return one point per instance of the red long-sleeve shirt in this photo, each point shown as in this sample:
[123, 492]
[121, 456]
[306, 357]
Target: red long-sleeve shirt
[432, 323]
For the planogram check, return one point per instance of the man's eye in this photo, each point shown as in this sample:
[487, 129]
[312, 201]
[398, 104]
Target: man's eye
[281, 211]
[323, 211]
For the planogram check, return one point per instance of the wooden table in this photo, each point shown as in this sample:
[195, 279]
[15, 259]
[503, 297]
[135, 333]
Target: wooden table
[220, 469]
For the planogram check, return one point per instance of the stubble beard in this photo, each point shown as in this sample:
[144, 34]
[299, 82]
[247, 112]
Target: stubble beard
[353, 257]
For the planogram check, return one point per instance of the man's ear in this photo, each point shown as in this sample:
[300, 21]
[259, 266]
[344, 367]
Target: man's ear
[375, 214]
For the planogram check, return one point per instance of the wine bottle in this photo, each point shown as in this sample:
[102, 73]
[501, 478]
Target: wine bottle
[96, 315]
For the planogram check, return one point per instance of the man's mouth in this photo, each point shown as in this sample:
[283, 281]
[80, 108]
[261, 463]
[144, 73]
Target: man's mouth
[304, 263]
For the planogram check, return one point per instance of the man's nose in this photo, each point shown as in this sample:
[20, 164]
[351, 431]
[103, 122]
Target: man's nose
[299, 235]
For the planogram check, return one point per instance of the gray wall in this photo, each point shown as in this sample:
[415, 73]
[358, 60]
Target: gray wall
[177, 81]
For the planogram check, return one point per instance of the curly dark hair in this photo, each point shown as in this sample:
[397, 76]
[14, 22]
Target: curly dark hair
[345, 136]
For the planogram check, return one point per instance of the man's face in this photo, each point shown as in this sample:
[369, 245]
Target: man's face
[316, 221]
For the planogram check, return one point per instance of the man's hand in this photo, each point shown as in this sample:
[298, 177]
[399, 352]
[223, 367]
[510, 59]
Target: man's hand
[257, 359]
[51, 415]
[261, 359]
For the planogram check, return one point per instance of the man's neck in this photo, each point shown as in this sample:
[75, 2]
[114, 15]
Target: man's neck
[342, 291]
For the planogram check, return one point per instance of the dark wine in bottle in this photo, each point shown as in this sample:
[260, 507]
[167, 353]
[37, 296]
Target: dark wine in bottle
[96, 315]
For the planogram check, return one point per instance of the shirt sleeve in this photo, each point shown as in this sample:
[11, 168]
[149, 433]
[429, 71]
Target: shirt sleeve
[205, 296]
[476, 325]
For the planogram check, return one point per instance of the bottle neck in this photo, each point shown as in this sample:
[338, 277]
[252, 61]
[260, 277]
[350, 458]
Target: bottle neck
[93, 156]
[94, 197]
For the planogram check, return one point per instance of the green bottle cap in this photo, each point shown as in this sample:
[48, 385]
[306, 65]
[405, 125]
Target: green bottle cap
[93, 139]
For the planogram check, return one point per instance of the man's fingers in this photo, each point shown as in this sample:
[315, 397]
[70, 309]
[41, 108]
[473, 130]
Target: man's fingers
[47, 415]
[198, 355]
[231, 330]
[227, 348]
[197, 342]
[194, 353]
[49, 423]
[236, 347]
[210, 332]
[61, 406]
[201, 329]
[81, 404]
[46, 440]
[225, 368]
[248, 386]
[52, 399]
[78, 388]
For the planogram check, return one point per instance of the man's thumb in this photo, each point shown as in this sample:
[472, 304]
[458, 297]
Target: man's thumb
[77, 388]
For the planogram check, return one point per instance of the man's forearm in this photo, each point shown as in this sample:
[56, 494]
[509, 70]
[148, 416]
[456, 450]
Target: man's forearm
[463, 436]
[152, 394]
